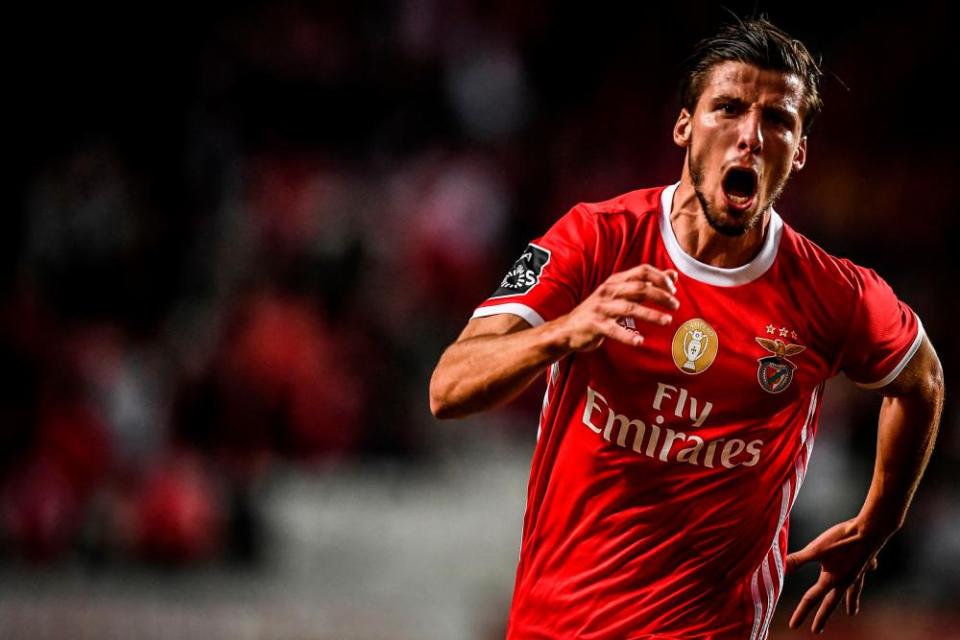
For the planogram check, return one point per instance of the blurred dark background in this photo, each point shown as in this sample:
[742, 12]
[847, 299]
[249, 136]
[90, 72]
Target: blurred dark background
[240, 235]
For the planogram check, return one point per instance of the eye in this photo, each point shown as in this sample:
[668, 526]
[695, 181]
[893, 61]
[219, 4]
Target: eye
[781, 120]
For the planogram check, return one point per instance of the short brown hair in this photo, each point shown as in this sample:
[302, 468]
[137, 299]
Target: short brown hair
[760, 43]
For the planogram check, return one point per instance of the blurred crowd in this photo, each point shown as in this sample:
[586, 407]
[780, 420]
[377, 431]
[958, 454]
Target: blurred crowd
[243, 243]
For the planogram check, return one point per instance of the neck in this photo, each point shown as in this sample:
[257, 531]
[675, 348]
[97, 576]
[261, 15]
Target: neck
[702, 242]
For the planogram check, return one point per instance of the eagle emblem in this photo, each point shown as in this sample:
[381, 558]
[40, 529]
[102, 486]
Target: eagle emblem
[775, 372]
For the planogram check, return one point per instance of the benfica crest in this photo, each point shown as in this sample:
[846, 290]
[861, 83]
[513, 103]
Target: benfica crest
[775, 373]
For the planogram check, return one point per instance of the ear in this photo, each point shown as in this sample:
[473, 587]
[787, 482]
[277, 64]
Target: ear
[800, 155]
[682, 129]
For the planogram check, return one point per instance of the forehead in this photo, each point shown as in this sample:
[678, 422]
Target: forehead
[753, 84]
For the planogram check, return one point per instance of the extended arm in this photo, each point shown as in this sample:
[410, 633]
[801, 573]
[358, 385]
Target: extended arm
[495, 358]
[909, 419]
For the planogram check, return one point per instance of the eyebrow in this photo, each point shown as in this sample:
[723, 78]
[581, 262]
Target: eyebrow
[775, 109]
[726, 98]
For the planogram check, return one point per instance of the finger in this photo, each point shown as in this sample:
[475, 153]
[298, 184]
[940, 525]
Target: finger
[621, 308]
[852, 596]
[874, 564]
[827, 607]
[642, 291]
[797, 559]
[812, 551]
[610, 329]
[650, 274]
[857, 590]
[655, 294]
[810, 598]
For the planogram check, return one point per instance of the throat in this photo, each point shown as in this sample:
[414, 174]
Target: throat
[717, 250]
[705, 244]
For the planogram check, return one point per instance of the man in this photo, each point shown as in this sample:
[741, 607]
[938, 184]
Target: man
[687, 332]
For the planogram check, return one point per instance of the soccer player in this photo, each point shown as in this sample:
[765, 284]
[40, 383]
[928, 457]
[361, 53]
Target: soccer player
[686, 333]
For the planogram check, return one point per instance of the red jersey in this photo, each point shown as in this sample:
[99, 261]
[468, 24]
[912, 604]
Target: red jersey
[663, 475]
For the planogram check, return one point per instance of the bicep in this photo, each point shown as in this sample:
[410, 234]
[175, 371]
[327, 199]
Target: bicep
[922, 374]
[500, 324]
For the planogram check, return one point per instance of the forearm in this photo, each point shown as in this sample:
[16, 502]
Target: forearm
[484, 371]
[907, 431]
[496, 357]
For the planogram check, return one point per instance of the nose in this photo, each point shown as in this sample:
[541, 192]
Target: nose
[751, 135]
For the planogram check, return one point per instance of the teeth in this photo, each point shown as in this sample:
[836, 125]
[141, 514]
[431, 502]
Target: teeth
[738, 199]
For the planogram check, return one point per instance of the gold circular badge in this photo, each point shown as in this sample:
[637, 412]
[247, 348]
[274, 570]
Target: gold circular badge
[695, 346]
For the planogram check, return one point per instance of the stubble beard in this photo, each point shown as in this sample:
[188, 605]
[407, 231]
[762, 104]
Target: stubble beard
[729, 229]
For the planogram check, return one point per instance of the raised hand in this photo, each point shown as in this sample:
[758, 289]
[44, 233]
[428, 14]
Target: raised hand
[621, 296]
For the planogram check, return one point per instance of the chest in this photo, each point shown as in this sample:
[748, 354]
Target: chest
[742, 351]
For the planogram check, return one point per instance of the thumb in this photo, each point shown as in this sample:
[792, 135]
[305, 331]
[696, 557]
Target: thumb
[797, 559]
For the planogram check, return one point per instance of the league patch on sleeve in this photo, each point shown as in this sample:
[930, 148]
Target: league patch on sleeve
[525, 272]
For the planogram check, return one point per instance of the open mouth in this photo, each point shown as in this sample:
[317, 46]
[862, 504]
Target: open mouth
[740, 187]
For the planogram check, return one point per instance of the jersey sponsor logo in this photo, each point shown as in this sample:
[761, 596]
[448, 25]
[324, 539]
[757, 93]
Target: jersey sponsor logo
[524, 275]
[775, 373]
[670, 444]
[695, 346]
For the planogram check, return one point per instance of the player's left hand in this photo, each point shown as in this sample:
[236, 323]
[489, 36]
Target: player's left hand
[845, 554]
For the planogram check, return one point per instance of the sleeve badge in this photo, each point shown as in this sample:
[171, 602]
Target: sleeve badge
[524, 275]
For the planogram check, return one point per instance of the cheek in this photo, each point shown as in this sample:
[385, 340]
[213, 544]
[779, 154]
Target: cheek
[704, 148]
[780, 159]
[776, 175]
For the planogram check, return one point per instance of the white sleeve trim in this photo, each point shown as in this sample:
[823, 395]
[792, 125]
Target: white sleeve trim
[513, 308]
[890, 377]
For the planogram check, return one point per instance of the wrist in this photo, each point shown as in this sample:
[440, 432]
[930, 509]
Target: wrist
[876, 526]
[557, 340]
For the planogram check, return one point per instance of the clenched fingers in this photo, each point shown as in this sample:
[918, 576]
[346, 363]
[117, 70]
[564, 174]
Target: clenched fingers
[620, 297]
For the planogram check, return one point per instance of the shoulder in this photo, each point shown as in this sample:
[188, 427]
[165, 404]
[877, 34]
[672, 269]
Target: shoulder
[854, 312]
[830, 271]
[639, 203]
[625, 212]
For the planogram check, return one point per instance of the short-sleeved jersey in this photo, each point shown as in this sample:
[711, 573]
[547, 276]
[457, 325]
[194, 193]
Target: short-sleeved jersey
[663, 475]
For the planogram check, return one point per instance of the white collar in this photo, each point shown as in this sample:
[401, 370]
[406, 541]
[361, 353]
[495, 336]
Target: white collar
[706, 273]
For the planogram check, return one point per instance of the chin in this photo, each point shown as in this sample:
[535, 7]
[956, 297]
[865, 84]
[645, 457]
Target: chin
[723, 221]
[729, 229]
[730, 224]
